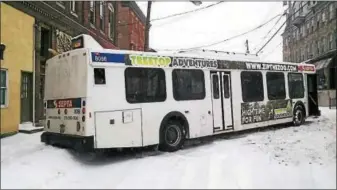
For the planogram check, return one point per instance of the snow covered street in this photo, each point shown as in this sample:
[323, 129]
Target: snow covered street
[292, 157]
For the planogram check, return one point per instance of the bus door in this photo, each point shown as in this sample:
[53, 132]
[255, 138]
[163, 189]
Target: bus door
[227, 100]
[216, 102]
[221, 101]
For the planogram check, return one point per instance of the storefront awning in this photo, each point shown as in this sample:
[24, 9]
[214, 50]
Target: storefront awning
[322, 63]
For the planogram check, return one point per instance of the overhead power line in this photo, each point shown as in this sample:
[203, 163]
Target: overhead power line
[289, 17]
[187, 12]
[233, 37]
[278, 20]
[269, 53]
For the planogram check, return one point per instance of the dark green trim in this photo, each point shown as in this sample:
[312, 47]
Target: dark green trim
[3, 135]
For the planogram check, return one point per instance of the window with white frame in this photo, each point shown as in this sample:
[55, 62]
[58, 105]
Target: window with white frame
[73, 7]
[60, 3]
[3, 88]
[92, 12]
[111, 26]
[101, 13]
[331, 10]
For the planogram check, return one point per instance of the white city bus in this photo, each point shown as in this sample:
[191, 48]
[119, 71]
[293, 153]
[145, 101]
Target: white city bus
[98, 98]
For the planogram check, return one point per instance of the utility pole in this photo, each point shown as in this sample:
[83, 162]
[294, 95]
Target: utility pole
[147, 26]
[247, 46]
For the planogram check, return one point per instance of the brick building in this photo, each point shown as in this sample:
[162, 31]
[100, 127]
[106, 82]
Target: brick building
[55, 22]
[131, 26]
[310, 36]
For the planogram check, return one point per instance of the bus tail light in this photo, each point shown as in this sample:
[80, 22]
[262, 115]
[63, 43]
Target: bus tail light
[65, 111]
[78, 127]
[83, 110]
[59, 111]
[83, 118]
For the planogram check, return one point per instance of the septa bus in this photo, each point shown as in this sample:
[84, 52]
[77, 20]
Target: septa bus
[98, 98]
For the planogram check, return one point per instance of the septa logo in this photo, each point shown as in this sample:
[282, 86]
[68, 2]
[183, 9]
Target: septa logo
[64, 104]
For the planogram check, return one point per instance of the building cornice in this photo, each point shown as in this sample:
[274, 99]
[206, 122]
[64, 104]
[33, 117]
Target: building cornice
[135, 8]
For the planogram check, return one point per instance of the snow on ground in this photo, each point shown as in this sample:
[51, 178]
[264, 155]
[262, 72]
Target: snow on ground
[292, 157]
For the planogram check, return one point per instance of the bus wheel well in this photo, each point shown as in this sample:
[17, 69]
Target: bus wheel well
[300, 103]
[175, 116]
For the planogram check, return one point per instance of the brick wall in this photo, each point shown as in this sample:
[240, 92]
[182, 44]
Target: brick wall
[130, 29]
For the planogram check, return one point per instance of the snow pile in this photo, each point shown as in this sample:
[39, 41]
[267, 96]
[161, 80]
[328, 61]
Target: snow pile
[292, 157]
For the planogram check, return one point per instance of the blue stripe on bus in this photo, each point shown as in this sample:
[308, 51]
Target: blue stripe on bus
[107, 57]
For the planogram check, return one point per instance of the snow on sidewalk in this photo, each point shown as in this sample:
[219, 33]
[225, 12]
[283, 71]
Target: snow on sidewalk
[292, 157]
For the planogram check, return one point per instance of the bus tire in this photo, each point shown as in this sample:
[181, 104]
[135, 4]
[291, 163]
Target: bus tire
[172, 136]
[299, 115]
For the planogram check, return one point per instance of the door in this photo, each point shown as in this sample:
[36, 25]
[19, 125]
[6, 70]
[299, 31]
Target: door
[216, 102]
[221, 101]
[227, 100]
[312, 94]
[26, 97]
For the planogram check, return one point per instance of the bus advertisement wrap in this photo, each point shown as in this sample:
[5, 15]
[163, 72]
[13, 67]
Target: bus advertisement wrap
[187, 62]
[254, 112]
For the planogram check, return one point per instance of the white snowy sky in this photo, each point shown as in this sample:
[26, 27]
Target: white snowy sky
[216, 23]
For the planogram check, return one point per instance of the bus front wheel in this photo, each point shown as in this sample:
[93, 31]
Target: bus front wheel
[299, 115]
[172, 136]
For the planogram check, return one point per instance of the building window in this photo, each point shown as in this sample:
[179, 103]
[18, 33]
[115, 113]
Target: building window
[301, 8]
[3, 88]
[73, 7]
[145, 85]
[331, 11]
[188, 84]
[61, 4]
[252, 86]
[101, 13]
[111, 26]
[296, 86]
[92, 12]
[276, 86]
[330, 42]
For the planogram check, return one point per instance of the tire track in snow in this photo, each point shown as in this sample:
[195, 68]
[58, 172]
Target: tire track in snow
[188, 175]
[215, 178]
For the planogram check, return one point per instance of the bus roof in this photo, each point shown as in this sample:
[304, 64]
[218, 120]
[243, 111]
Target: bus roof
[182, 59]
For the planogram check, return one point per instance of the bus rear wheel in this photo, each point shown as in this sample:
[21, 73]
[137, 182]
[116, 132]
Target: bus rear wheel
[172, 136]
[299, 116]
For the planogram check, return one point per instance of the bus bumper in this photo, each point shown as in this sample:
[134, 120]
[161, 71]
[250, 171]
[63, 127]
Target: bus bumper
[78, 143]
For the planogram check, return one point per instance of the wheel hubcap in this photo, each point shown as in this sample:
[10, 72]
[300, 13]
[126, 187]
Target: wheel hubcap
[172, 135]
[298, 116]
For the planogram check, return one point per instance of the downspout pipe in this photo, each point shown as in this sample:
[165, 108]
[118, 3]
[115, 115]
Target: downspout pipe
[34, 83]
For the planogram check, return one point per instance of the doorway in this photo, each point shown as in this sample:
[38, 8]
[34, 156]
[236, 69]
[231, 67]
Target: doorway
[26, 97]
[222, 101]
[312, 95]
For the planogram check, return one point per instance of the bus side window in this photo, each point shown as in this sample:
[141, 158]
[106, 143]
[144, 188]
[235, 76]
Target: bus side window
[296, 86]
[276, 86]
[252, 86]
[99, 75]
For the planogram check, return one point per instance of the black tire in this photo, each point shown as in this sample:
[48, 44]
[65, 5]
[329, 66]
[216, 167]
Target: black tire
[298, 115]
[172, 136]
